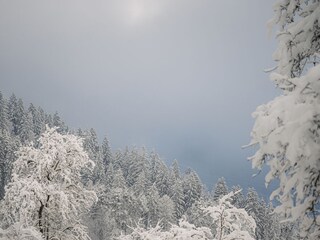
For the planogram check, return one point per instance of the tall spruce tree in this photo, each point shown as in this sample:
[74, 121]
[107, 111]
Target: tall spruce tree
[27, 128]
[106, 152]
[4, 117]
[192, 188]
[220, 189]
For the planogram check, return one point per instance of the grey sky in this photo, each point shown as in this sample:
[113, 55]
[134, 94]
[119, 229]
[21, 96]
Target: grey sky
[179, 76]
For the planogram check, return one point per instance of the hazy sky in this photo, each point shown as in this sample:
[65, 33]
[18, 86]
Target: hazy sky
[178, 76]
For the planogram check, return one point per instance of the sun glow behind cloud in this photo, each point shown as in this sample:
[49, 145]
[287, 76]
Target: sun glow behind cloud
[137, 12]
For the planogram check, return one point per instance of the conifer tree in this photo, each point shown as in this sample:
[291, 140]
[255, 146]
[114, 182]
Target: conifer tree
[255, 209]
[238, 200]
[192, 188]
[8, 147]
[16, 112]
[178, 199]
[176, 170]
[27, 128]
[106, 152]
[4, 117]
[57, 122]
[38, 119]
[166, 212]
[220, 189]
[153, 208]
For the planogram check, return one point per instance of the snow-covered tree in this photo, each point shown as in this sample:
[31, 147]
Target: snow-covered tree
[48, 120]
[91, 146]
[120, 205]
[238, 200]
[256, 209]
[184, 230]
[192, 188]
[178, 199]
[220, 189]
[19, 232]
[46, 191]
[8, 146]
[166, 211]
[195, 214]
[271, 224]
[4, 117]
[159, 174]
[106, 153]
[27, 129]
[38, 120]
[175, 169]
[57, 122]
[152, 216]
[287, 129]
[141, 184]
[15, 112]
[231, 222]
[135, 165]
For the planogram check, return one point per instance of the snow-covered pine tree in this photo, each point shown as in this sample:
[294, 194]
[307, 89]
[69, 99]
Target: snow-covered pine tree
[271, 224]
[27, 128]
[238, 200]
[163, 180]
[12, 106]
[166, 212]
[220, 189]
[192, 188]
[106, 153]
[141, 184]
[195, 214]
[38, 120]
[175, 169]
[48, 120]
[135, 165]
[16, 112]
[178, 199]
[255, 209]
[8, 147]
[287, 129]
[57, 122]
[120, 205]
[46, 191]
[4, 117]
[153, 209]
[91, 146]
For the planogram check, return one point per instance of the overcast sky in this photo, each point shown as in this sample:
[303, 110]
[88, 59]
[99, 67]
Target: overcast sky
[178, 76]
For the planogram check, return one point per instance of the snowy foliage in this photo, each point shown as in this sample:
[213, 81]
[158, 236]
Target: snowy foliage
[184, 230]
[46, 190]
[287, 129]
[8, 146]
[18, 232]
[298, 38]
[230, 221]
[220, 189]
